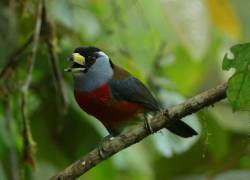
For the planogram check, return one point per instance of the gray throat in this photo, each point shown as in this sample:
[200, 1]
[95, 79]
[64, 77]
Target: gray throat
[97, 75]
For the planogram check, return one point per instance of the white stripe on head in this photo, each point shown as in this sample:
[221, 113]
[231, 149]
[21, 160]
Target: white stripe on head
[101, 53]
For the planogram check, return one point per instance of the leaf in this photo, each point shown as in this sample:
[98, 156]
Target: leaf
[224, 17]
[238, 92]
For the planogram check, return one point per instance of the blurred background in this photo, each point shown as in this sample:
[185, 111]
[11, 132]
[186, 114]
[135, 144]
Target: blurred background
[174, 46]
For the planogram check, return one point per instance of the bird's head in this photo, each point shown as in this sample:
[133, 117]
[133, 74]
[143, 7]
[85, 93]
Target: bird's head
[87, 58]
[90, 67]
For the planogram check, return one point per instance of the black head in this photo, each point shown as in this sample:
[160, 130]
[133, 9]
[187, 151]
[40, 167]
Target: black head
[85, 57]
[87, 51]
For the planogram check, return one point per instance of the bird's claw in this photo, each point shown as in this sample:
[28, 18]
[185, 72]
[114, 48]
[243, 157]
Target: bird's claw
[100, 148]
[101, 151]
[147, 126]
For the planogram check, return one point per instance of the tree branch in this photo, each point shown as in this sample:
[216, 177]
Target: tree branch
[138, 133]
[14, 58]
[28, 142]
[48, 32]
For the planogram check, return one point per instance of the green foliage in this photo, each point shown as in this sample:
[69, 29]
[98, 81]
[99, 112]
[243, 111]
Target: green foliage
[239, 84]
[174, 46]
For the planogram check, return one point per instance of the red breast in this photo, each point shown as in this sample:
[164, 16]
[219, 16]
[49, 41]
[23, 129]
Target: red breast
[100, 103]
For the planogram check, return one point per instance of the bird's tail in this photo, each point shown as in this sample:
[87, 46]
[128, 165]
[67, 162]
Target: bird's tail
[180, 128]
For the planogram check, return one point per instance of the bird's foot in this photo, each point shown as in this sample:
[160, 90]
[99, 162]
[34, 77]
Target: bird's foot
[147, 125]
[166, 113]
[101, 150]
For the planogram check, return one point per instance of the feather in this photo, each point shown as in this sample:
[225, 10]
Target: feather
[126, 87]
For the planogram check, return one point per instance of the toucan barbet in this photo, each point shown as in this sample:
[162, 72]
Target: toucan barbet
[111, 94]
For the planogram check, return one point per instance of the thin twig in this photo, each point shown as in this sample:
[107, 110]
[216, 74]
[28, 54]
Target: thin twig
[58, 79]
[48, 33]
[28, 142]
[14, 58]
[111, 147]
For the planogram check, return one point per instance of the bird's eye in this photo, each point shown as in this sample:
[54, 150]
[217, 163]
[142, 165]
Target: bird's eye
[90, 60]
[93, 59]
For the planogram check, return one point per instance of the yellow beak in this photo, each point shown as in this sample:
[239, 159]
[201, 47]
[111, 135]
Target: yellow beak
[78, 63]
[78, 58]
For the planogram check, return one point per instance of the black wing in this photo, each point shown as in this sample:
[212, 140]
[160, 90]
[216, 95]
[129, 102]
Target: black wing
[133, 90]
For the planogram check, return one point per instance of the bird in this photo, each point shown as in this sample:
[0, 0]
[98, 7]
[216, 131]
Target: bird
[113, 95]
